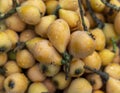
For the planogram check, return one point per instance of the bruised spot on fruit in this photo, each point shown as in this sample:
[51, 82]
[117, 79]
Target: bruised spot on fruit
[11, 84]
[78, 71]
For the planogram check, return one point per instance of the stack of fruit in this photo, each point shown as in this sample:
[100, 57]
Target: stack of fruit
[59, 46]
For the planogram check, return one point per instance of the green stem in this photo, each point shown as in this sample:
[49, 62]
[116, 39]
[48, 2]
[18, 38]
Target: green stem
[66, 62]
[114, 45]
[56, 12]
[99, 23]
[82, 15]
[111, 5]
[83, 21]
[11, 12]
[19, 46]
[67, 70]
[103, 75]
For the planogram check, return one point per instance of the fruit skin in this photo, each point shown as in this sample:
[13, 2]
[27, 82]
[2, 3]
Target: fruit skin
[50, 86]
[35, 74]
[11, 67]
[2, 78]
[3, 58]
[3, 26]
[50, 70]
[113, 70]
[92, 22]
[76, 65]
[100, 40]
[81, 44]
[27, 35]
[69, 4]
[5, 42]
[98, 91]
[95, 80]
[106, 56]
[116, 23]
[60, 81]
[113, 86]
[21, 56]
[51, 5]
[87, 22]
[42, 27]
[97, 5]
[19, 83]
[59, 35]
[43, 51]
[5, 5]
[13, 21]
[93, 61]
[110, 15]
[38, 4]
[26, 16]
[2, 91]
[37, 87]
[109, 32]
[71, 17]
[32, 42]
[13, 36]
[80, 85]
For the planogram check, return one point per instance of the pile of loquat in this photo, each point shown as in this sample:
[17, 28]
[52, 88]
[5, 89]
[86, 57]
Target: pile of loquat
[59, 46]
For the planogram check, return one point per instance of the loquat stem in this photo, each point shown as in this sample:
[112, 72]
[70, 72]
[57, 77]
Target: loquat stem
[66, 62]
[57, 10]
[11, 12]
[102, 74]
[82, 15]
[8, 14]
[111, 5]
[99, 23]
[19, 46]
[83, 21]
[114, 45]
[67, 70]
